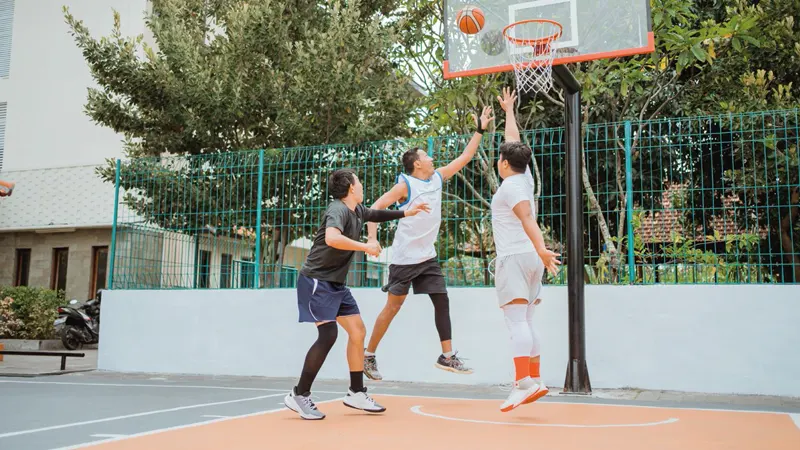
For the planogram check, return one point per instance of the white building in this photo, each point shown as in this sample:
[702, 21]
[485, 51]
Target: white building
[55, 230]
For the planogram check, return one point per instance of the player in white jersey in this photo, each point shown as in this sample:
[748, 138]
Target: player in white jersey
[414, 260]
[521, 258]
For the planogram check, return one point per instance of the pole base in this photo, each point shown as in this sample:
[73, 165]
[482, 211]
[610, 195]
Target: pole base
[577, 380]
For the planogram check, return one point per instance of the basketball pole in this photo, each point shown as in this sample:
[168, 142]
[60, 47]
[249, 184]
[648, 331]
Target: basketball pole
[577, 379]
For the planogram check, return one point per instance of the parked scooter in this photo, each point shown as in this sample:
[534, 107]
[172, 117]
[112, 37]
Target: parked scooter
[79, 325]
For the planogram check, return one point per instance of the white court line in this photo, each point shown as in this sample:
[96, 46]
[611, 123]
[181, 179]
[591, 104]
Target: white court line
[796, 419]
[108, 435]
[557, 402]
[418, 410]
[183, 386]
[181, 427]
[130, 416]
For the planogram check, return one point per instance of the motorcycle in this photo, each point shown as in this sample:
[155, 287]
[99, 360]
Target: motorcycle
[79, 325]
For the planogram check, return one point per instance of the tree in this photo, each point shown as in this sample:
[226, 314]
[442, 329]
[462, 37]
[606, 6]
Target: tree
[227, 76]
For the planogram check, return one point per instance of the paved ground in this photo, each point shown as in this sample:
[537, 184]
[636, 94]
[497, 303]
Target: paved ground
[73, 410]
[26, 366]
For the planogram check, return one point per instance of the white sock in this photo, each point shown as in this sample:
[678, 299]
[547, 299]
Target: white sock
[536, 344]
[448, 354]
[366, 353]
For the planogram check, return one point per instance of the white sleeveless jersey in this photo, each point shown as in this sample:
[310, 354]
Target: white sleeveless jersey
[415, 238]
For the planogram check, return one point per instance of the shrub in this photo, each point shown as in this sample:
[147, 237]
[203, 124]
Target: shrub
[9, 324]
[35, 308]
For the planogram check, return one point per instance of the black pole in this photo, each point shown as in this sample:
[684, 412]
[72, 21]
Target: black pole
[577, 379]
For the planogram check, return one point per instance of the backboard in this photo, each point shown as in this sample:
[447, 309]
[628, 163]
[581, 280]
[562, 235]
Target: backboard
[591, 29]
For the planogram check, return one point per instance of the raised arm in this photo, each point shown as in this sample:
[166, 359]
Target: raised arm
[399, 191]
[457, 164]
[507, 103]
[523, 212]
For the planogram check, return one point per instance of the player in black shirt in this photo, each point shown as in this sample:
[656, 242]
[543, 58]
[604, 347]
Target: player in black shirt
[323, 298]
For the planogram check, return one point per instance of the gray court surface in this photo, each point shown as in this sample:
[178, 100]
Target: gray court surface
[78, 409]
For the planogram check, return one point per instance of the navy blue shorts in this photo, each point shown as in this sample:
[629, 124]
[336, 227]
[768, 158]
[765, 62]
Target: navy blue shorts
[320, 301]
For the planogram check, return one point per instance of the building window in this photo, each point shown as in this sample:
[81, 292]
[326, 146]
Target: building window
[6, 31]
[203, 269]
[23, 267]
[99, 274]
[226, 270]
[58, 274]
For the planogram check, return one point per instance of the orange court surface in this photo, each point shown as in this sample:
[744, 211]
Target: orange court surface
[113, 412]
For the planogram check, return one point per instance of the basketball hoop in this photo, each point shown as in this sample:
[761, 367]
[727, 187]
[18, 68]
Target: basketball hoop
[531, 52]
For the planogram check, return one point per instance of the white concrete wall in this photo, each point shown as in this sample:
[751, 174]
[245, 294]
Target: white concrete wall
[47, 86]
[715, 339]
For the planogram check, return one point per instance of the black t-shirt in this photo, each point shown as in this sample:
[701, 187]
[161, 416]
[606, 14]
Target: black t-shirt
[326, 263]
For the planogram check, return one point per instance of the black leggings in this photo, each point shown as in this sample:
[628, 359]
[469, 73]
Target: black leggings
[316, 356]
[441, 312]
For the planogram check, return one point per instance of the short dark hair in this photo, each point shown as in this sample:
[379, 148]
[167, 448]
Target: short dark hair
[340, 181]
[409, 158]
[517, 154]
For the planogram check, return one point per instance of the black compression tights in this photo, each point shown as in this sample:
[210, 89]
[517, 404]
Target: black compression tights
[441, 311]
[316, 356]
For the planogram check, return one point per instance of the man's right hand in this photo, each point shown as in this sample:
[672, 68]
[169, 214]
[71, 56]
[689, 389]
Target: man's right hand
[508, 100]
[549, 258]
[373, 248]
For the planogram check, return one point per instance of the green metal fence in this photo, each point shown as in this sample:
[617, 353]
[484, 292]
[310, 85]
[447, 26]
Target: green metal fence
[712, 199]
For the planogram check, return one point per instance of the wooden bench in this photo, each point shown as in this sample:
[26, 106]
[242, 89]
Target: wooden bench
[63, 355]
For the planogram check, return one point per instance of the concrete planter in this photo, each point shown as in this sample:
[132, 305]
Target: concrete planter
[27, 345]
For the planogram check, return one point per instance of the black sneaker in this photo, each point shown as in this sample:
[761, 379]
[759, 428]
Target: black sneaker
[452, 364]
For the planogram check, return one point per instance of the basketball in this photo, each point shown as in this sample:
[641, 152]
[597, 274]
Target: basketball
[470, 20]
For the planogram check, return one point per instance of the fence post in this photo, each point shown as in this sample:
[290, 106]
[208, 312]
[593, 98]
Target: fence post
[113, 252]
[629, 202]
[430, 146]
[258, 217]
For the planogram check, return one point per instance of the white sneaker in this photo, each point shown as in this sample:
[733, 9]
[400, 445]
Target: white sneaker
[521, 392]
[362, 401]
[302, 405]
[543, 391]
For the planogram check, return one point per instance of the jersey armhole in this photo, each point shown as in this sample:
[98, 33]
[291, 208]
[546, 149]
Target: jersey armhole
[408, 186]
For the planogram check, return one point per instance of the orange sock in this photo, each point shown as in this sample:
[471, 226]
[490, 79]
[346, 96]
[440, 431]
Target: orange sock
[522, 366]
[534, 367]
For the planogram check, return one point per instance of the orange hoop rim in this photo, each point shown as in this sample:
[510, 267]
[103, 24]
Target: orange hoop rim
[533, 42]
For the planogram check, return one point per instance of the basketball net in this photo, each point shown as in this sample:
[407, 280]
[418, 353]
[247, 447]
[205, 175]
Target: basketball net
[530, 49]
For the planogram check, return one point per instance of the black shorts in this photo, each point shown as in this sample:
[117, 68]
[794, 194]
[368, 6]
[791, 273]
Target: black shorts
[426, 277]
[322, 301]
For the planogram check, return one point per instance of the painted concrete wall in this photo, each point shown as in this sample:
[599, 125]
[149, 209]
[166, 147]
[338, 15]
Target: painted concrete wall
[47, 85]
[715, 339]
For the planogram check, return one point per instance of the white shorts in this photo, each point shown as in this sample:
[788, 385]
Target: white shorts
[518, 276]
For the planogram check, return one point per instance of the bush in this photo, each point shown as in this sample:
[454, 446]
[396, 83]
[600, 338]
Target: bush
[34, 308]
[9, 324]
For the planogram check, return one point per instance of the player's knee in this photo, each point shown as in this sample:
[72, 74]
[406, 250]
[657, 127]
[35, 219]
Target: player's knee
[394, 304]
[358, 333]
[328, 332]
[441, 303]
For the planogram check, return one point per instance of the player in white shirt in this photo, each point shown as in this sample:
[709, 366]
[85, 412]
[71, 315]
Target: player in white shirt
[414, 260]
[521, 258]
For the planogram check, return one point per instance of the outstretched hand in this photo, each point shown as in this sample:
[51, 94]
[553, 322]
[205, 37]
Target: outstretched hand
[416, 209]
[486, 118]
[508, 100]
[550, 261]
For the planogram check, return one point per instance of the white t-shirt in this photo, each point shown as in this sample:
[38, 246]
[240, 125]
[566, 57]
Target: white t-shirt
[415, 237]
[509, 235]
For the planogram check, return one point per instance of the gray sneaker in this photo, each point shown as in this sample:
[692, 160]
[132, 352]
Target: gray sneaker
[452, 364]
[302, 405]
[371, 368]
